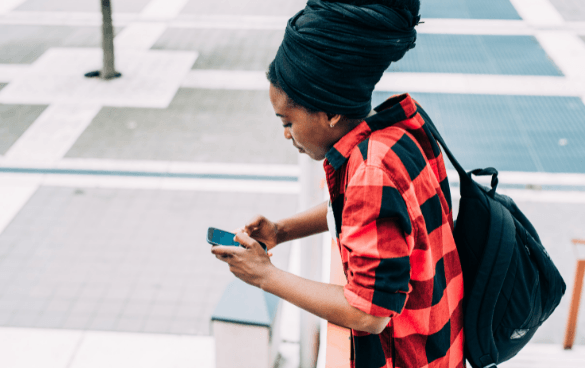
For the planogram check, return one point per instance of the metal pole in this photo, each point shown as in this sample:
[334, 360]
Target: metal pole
[108, 71]
[311, 254]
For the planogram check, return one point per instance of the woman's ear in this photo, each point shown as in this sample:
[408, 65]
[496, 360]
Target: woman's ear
[333, 119]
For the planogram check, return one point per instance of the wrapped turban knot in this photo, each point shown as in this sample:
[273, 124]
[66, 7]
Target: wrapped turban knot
[333, 54]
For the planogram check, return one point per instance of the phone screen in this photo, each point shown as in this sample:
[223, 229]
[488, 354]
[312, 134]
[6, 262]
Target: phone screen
[220, 237]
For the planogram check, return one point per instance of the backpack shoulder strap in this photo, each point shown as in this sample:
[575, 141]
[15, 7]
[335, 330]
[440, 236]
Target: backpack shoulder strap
[437, 136]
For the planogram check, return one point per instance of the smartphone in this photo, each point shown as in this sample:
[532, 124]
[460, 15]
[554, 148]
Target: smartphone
[221, 237]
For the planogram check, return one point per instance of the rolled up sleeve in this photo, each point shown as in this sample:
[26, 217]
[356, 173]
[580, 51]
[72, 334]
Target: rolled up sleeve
[375, 231]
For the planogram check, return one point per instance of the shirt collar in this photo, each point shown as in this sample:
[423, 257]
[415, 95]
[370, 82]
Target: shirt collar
[393, 110]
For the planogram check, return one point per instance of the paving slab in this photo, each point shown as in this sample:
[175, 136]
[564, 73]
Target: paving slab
[122, 259]
[571, 10]
[199, 125]
[511, 133]
[495, 9]
[233, 49]
[14, 121]
[24, 44]
[126, 6]
[245, 7]
[477, 54]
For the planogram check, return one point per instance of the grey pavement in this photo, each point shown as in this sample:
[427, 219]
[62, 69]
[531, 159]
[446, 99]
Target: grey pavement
[199, 125]
[284, 8]
[14, 121]
[232, 49]
[122, 259]
[24, 44]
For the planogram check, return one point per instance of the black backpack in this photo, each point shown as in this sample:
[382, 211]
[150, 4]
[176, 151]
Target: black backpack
[511, 285]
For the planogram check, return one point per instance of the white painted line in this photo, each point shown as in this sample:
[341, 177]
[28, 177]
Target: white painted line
[30, 347]
[53, 133]
[412, 82]
[114, 349]
[10, 72]
[528, 178]
[474, 27]
[139, 36]
[234, 169]
[15, 191]
[480, 84]
[206, 185]
[547, 196]
[150, 78]
[242, 186]
[529, 195]
[567, 50]
[226, 79]
[157, 166]
[163, 9]
[538, 12]
[6, 6]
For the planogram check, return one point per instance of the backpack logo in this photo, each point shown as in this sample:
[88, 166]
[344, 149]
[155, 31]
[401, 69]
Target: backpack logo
[518, 334]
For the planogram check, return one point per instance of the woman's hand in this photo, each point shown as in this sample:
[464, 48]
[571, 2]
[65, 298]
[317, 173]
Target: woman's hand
[262, 229]
[252, 265]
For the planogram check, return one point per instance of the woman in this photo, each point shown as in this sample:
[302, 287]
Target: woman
[388, 188]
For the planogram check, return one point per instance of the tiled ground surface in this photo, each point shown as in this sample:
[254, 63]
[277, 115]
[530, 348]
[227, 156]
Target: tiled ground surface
[23, 44]
[224, 49]
[495, 9]
[478, 54]
[511, 133]
[14, 121]
[571, 10]
[125, 6]
[122, 260]
[199, 125]
[286, 8]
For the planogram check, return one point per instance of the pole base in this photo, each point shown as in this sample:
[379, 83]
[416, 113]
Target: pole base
[97, 74]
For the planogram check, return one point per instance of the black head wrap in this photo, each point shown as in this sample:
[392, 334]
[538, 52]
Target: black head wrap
[333, 54]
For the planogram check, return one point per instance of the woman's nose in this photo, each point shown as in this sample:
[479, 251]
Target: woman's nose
[287, 134]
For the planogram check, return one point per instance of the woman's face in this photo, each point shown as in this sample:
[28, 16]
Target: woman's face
[310, 133]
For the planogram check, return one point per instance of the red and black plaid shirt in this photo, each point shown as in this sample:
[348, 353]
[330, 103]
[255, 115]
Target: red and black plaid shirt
[392, 207]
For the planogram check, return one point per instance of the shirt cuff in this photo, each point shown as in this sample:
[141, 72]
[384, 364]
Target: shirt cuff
[377, 304]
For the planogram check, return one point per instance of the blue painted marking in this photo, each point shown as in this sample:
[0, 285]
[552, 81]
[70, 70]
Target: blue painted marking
[510, 133]
[468, 9]
[144, 174]
[477, 54]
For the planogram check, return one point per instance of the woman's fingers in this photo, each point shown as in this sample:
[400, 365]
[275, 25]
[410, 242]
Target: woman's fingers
[226, 251]
[244, 239]
[254, 224]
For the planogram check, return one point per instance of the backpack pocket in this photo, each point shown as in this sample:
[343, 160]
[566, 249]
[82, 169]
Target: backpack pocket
[518, 313]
